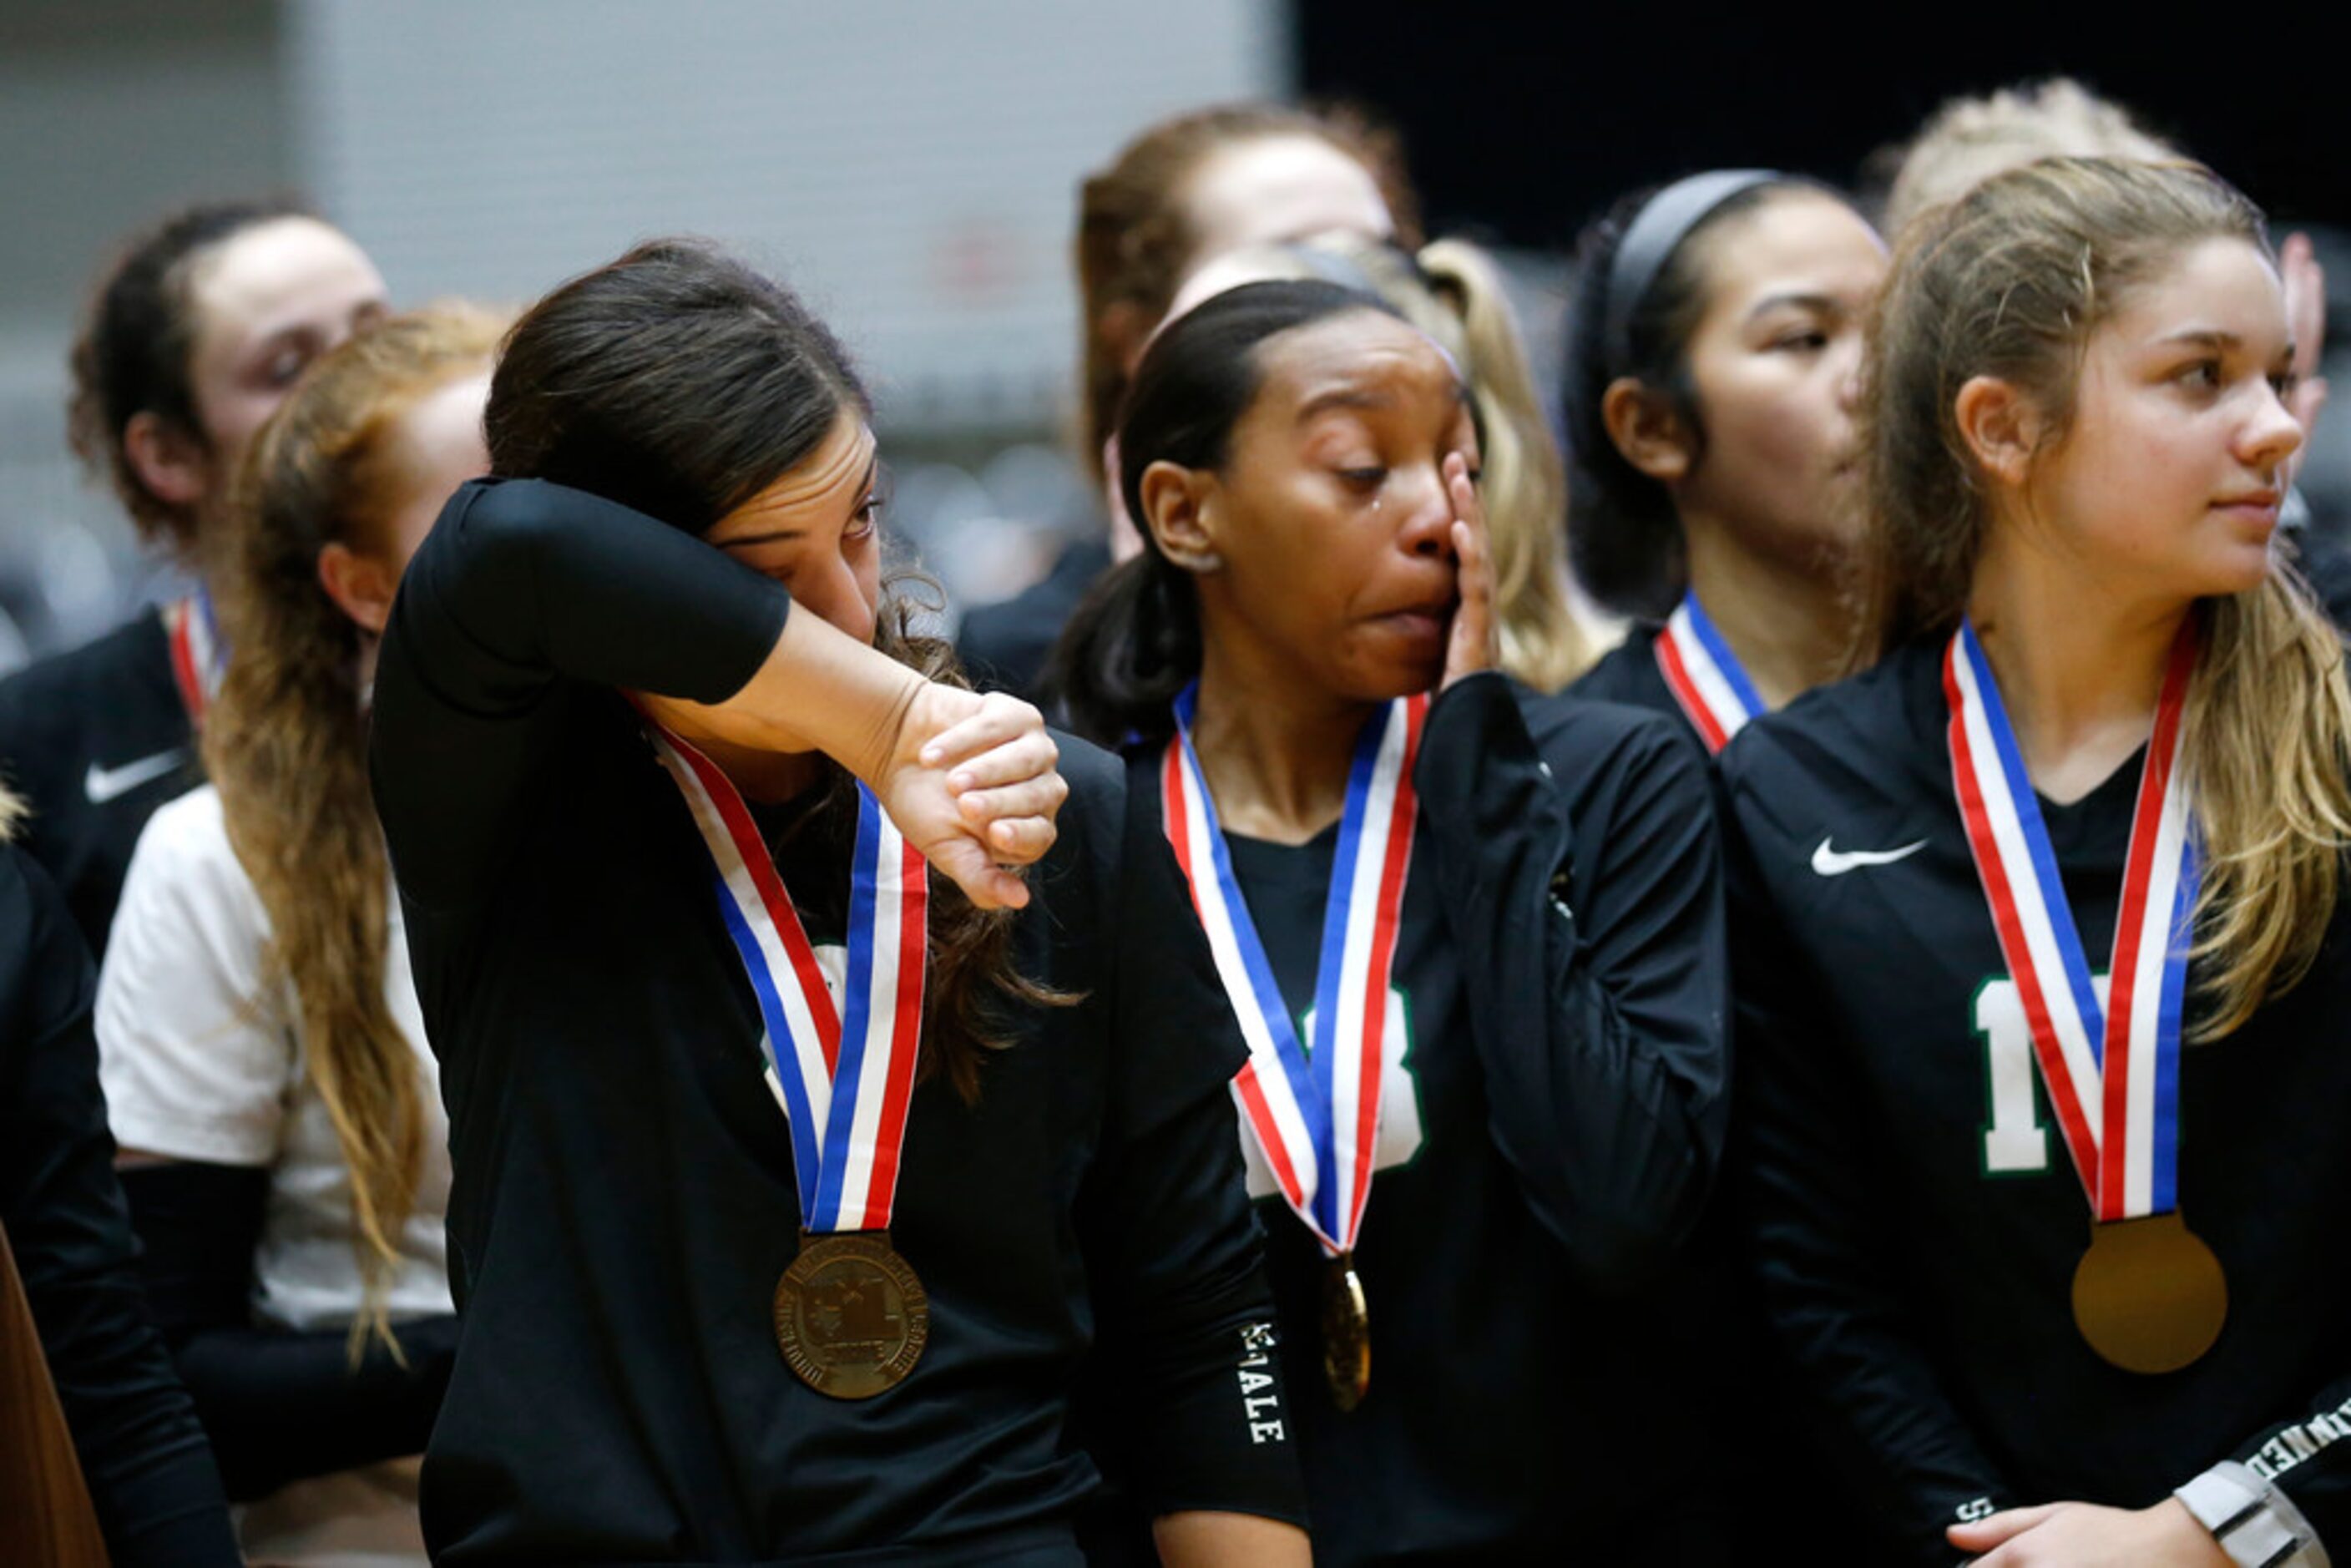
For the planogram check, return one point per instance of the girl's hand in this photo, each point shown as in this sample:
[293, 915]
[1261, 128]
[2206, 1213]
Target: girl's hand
[2083, 1535]
[970, 781]
[1471, 647]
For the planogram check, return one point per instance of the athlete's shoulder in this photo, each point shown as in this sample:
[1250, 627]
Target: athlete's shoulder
[1879, 725]
[1088, 829]
[190, 830]
[1586, 740]
[186, 868]
[1096, 778]
[1854, 774]
[134, 655]
[1627, 672]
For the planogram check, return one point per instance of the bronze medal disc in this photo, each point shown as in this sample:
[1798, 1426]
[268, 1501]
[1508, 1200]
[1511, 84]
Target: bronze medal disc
[1346, 1333]
[2148, 1295]
[851, 1318]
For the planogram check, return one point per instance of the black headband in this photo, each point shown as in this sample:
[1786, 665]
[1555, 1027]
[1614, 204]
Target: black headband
[1658, 231]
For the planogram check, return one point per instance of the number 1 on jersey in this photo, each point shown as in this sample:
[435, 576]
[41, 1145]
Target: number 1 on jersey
[2015, 1138]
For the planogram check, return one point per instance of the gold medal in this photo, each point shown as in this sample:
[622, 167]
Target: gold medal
[2148, 1295]
[851, 1317]
[1346, 1333]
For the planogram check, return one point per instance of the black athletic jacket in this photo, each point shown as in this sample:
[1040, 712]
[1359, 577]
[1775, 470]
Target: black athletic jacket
[149, 1472]
[1628, 674]
[1915, 1215]
[95, 739]
[624, 1195]
[1541, 1349]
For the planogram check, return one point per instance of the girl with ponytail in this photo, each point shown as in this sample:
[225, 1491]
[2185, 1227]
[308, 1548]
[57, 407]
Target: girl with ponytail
[809, 1154]
[264, 1062]
[2041, 954]
[1473, 935]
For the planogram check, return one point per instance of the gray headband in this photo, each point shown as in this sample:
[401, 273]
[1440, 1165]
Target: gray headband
[1657, 232]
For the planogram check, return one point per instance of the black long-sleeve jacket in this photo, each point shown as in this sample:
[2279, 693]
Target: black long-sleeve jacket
[1551, 1120]
[1915, 1215]
[624, 1198]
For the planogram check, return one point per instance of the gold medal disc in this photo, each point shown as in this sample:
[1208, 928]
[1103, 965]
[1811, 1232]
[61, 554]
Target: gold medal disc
[851, 1317]
[2148, 1295]
[1346, 1333]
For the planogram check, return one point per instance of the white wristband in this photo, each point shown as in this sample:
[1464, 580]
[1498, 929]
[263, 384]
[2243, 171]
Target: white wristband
[2256, 1525]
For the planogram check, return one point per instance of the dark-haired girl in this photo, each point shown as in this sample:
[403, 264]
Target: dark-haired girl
[795, 1181]
[198, 332]
[265, 1068]
[1474, 940]
[1711, 363]
[2041, 959]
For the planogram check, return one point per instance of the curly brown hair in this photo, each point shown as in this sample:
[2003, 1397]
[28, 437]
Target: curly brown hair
[131, 356]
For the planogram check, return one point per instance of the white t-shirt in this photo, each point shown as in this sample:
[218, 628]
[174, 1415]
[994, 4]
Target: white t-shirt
[200, 1056]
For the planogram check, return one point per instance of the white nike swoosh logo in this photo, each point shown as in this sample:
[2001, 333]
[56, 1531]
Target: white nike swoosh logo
[104, 784]
[1827, 861]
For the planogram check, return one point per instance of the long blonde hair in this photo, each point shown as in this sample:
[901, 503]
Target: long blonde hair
[286, 743]
[1453, 291]
[2010, 281]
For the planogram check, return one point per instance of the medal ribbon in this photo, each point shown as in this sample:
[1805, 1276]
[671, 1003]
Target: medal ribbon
[1315, 1115]
[846, 1081]
[1704, 675]
[199, 654]
[2112, 1072]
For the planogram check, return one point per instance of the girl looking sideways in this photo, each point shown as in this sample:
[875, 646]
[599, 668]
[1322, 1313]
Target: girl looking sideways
[1712, 361]
[2037, 923]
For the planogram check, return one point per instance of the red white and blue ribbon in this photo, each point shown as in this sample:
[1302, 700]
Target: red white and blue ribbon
[199, 654]
[1704, 675]
[1314, 1113]
[845, 1080]
[2111, 1072]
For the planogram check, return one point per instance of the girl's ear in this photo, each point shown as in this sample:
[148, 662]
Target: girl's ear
[2001, 425]
[1178, 510]
[359, 584]
[1644, 426]
[171, 464]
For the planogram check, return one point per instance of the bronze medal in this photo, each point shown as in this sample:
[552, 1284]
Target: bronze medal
[851, 1318]
[1346, 1333]
[2148, 1295]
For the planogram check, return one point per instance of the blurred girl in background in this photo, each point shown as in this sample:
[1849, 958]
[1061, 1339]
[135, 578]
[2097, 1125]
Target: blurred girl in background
[1711, 365]
[265, 1065]
[196, 335]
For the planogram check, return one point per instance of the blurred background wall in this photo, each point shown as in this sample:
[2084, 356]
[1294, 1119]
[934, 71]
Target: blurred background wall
[912, 165]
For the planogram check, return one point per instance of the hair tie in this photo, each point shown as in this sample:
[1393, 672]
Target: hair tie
[1656, 232]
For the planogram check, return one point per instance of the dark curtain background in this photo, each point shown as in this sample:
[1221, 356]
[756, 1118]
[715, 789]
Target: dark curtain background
[1523, 120]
